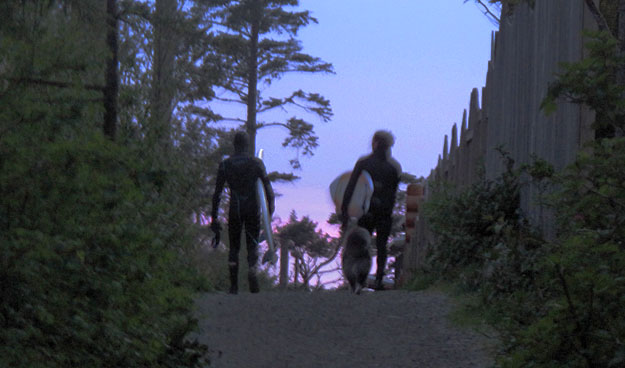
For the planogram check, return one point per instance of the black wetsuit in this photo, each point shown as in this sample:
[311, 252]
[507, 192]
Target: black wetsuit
[241, 171]
[385, 175]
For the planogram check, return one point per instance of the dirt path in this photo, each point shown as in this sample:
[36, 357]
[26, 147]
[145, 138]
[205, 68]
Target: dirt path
[335, 330]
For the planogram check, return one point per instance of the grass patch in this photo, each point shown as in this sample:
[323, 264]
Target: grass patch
[468, 311]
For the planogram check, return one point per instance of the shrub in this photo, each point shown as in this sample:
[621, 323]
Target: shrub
[90, 276]
[583, 322]
[480, 237]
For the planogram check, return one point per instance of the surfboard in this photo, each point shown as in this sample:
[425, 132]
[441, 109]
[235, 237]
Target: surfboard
[361, 199]
[265, 218]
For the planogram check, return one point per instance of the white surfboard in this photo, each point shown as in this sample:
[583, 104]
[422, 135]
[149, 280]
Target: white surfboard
[265, 218]
[361, 199]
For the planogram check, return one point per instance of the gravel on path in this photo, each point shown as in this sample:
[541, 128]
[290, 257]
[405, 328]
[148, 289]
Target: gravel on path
[336, 329]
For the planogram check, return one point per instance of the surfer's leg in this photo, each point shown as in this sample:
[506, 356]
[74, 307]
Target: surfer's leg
[234, 235]
[383, 230]
[252, 232]
[367, 221]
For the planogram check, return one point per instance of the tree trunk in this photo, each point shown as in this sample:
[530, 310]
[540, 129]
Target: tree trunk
[284, 264]
[111, 87]
[252, 85]
[162, 99]
[620, 75]
[599, 18]
[621, 32]
[296, 271]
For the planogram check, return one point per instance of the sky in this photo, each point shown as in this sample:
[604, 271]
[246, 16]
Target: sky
[407, 66]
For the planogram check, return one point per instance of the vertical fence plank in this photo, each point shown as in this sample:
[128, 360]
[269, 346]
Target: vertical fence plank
[526, 54]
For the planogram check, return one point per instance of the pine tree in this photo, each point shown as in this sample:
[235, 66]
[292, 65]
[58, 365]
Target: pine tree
[255, 43]
[310, 248]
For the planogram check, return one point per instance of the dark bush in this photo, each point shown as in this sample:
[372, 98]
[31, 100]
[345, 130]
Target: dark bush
[90, 268]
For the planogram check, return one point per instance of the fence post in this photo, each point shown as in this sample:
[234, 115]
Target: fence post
[284, 264]
[410, 254]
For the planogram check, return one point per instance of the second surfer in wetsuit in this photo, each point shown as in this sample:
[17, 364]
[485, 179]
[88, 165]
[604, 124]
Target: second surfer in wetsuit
[240, 171]
[384, 171]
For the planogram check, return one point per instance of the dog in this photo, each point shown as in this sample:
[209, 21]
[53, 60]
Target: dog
[356, 258]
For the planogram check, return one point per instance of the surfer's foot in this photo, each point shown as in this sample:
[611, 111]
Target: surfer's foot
[253, 281]
[379, 285]
[234, 278]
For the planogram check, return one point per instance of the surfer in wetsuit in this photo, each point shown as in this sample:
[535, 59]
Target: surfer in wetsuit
[384, 171]
[240, 171]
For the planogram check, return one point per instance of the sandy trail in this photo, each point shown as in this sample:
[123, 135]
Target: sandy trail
[336, 329]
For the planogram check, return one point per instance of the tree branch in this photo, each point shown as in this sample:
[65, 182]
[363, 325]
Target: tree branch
[234, 120]
[596, 13]
[573, 312]
[58, 84]
[267, 108]
[329, 271]
[228, 100]
[263, 125]
[335, 252]
[608, 198]
[487, 11]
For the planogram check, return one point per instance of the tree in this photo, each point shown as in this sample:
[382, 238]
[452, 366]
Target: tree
[254, 46]
[573, 316]
[91, 236]
[164, 24]
[308, 246]
[491, 9]
[614, 8]
[111, 87]
[609, 16]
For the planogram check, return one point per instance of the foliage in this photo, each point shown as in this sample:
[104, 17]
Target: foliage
[592, 82]
[582, 323]
[94, 235]
[555, 303]
[254, 46]
[212, 264]
[307, 246]
[479, 234]
[491, 9]
[90, 276]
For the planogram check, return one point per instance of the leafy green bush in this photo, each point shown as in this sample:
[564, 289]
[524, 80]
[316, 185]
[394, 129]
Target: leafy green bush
[212, 265]
[479, 236]
[89, 274]
[583, 322]
[557, 303]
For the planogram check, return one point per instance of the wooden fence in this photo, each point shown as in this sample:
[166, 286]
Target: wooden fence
[526, 54]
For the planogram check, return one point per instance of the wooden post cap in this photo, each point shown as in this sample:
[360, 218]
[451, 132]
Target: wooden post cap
[414, 190]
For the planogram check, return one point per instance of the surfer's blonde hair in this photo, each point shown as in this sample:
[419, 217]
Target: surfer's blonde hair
[384, 138]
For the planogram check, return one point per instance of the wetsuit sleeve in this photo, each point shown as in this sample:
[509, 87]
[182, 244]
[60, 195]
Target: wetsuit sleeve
[396, 180]
[351, 185]
[398, 168]
[219, 187]
[396, 165]
[268, 189]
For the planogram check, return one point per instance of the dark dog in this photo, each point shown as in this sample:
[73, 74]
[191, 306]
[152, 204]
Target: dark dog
[356, 258]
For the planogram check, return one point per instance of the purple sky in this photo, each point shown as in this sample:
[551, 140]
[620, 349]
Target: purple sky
[403, 65]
